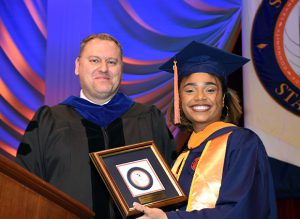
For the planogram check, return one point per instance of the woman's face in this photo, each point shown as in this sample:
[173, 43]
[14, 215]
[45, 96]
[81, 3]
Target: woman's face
[201, 99]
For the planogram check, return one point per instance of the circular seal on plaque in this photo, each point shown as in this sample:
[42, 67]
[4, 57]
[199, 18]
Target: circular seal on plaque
[139, 178]
[275, 47]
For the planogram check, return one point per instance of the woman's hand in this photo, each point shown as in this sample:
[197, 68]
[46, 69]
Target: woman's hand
[149, 213]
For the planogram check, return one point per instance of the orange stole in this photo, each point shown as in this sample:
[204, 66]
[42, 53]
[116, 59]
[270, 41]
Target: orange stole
[207, 179]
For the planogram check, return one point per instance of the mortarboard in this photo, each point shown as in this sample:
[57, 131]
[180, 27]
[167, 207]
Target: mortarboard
[198, 57]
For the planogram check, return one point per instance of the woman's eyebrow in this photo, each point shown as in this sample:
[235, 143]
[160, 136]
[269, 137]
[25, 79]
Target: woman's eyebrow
[200, 83]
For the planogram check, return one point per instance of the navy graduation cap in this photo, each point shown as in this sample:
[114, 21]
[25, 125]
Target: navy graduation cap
[198, 57]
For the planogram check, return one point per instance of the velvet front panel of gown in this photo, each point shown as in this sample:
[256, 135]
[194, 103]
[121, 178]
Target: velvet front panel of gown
[101, 139]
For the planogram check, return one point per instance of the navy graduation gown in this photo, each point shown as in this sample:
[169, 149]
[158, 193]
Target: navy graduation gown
[247, 187]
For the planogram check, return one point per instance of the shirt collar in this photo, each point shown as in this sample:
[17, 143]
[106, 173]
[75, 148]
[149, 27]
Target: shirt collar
[82, 95]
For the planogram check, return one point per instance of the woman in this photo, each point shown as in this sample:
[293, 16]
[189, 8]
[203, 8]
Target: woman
[224, 169]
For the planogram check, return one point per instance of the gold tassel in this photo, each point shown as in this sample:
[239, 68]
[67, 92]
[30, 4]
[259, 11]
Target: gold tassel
[176, 95]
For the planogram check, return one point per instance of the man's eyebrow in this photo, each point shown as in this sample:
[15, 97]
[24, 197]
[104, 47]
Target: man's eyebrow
[102, 57]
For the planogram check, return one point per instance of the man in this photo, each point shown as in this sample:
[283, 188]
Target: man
[58, 140]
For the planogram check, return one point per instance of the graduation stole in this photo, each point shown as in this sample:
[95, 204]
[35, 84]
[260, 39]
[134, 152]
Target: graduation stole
[206, 183]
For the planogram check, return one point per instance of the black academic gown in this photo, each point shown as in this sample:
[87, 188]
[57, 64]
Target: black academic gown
[58, 140]
[247, 190]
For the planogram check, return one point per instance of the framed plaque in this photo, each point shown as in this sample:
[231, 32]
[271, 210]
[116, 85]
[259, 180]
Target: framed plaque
[138, 173]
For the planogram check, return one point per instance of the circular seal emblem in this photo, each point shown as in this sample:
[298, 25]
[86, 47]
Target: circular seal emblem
[139, 178]
[194, 163]
[276, 51]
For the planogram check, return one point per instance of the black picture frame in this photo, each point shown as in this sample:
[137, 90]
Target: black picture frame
[138, 173]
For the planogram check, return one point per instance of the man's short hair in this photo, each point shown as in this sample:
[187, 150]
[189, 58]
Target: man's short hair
[100, 36]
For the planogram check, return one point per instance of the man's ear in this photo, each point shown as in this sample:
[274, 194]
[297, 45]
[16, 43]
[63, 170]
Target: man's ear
[77, 66]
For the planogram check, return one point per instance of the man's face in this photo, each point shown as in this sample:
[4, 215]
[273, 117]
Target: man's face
[100, 70]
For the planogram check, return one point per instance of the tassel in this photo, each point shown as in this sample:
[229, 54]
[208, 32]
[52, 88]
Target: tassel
[176, 95]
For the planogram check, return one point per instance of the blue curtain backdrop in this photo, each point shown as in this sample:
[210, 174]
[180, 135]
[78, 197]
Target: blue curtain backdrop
[39, 41]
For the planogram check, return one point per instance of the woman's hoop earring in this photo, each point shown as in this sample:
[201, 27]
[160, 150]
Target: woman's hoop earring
[226, 111]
